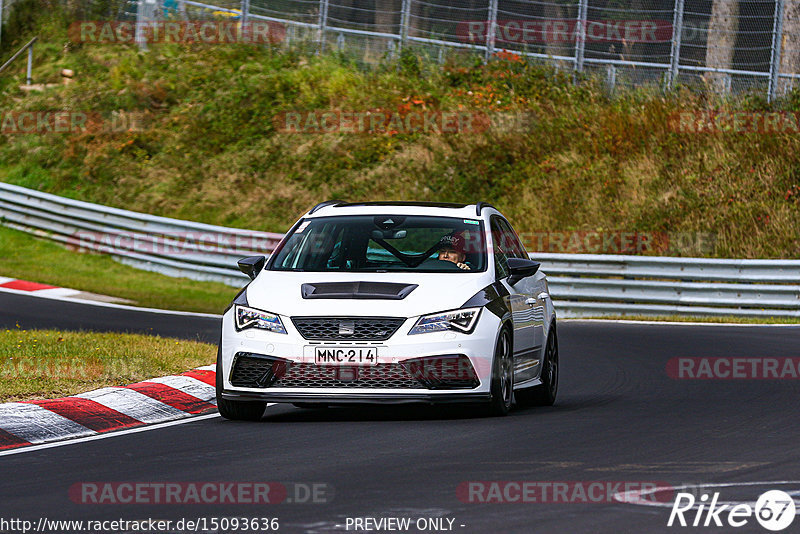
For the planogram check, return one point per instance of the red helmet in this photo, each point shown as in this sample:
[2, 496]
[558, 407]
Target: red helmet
[454, 242]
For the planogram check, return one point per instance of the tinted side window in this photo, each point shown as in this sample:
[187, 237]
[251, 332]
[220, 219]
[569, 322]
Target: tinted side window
[512, 239]
[501, 249]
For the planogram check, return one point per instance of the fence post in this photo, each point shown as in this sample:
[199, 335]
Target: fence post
[611, 77]
[675, 51]
[245, 11]
[323, 22]
[405, 18]
[775, 59]
[145, 14]
[1, 21]
[491, 29]
[580, 34]
[30, 64]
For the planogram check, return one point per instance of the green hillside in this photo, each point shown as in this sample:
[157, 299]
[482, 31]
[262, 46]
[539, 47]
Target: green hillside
[208, 143]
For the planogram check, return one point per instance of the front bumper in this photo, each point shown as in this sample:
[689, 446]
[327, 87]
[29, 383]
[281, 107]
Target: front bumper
[358, 398]
[477, 346]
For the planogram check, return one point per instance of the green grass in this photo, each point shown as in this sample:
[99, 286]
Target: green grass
[42, 261]
[41, 364]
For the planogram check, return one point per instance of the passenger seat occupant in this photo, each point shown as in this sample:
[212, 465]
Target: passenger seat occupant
[452, 248]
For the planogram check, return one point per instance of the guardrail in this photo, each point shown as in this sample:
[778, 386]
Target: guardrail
[581, 284]
[593, 285]
[168, 246]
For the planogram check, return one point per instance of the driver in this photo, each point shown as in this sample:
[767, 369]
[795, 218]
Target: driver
[451, 248]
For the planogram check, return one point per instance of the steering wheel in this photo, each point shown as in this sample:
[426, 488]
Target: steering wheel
[449, 267]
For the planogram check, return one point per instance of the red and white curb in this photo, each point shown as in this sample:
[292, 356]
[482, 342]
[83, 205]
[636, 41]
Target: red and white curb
[111, 408]
[40, 289]
[12, 285]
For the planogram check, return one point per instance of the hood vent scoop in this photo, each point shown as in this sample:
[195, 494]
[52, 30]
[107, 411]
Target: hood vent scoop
[357, 290]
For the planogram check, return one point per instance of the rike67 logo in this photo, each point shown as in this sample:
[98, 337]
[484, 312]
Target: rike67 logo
[774, 510]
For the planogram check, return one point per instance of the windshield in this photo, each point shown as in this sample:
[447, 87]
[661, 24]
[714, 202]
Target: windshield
[383, 243]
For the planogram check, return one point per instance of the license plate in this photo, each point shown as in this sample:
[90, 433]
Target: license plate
[343, 355]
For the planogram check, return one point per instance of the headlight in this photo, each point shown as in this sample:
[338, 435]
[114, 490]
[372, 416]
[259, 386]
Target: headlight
[251, 318]
[459, 320]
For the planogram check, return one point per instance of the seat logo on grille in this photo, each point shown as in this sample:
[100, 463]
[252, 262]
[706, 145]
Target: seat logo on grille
[347, 328]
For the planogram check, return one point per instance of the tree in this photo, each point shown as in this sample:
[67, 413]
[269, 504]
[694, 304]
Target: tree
[722, 28]
[790, 45]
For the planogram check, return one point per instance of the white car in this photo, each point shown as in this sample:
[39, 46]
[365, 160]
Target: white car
[390, 302]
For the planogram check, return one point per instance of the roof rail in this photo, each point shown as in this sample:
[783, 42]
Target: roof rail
[326, 203]
[480, 205]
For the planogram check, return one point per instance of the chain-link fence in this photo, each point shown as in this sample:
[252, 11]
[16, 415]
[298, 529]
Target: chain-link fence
[722, 45]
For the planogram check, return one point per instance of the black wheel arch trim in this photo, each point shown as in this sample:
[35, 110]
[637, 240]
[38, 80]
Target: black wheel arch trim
[240, 299]
[493, 297]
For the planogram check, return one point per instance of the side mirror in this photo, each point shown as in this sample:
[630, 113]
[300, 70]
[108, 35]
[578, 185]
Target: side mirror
[252, 265]
[521, 268]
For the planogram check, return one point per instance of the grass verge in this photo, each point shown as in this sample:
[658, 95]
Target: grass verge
[26, 258]
[43, 364]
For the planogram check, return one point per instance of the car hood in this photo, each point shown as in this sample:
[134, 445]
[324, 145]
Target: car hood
[282, 293]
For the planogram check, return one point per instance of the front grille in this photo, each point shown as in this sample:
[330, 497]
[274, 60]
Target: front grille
[381, 376]
[340, 328]
[251, 371]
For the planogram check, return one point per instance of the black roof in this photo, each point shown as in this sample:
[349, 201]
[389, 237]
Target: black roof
[452, 205]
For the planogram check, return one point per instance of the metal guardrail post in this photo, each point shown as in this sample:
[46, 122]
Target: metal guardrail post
[491, 29]
[28, 46]
[675, 50]
[30, 65]
[323, 22]
[580, 34]
[245, 11]
[405, 19]
[775, 59]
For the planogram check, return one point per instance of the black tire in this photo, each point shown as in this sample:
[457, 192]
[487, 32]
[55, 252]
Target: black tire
[502, 388]
[236, 410]
[544, 394]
